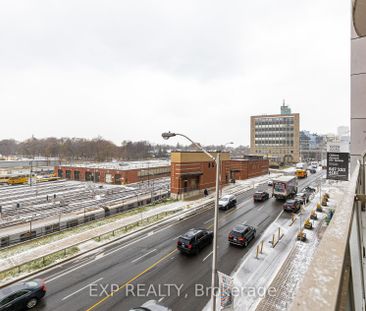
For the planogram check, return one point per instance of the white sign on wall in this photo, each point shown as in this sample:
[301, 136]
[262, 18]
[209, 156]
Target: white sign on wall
[338, 147]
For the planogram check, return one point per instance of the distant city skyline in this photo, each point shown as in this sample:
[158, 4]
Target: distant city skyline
[132, 70]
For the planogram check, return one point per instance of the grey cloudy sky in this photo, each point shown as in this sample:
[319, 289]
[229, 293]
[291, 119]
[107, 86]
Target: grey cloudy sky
[132, 69]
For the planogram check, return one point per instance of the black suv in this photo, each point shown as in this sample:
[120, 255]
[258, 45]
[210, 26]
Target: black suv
[303, 197]
[22, 296]
[292, 206]
[309, 189]
[260, 196]
[194, 240]
[241, 235]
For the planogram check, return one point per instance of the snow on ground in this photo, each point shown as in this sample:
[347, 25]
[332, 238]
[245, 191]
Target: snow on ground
[254, 276]
[293, 270]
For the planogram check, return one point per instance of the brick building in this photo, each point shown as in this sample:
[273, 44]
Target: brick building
[194, 171]
[118, 173]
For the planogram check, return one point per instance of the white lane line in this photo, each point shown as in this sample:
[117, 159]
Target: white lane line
[161, 299]
[101, 255]
[207, 257]
[137, 259]
[58, 275]
[207, 221]
[79, 290]
[176, 238]
[260, 208]
[89, 262]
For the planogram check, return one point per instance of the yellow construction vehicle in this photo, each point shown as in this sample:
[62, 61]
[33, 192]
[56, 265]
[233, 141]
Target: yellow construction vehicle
[301, 236]
[308, 224]
[313, 215]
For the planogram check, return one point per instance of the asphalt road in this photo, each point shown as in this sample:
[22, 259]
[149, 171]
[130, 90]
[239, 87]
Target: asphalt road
[150, 267]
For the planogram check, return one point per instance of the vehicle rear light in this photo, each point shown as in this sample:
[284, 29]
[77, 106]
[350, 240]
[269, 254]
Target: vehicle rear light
[189, 246]
[179, 243]
[230, 236]
[241, 239]
[43, 286]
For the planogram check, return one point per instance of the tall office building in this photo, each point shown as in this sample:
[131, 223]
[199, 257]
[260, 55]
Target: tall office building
[276, 136]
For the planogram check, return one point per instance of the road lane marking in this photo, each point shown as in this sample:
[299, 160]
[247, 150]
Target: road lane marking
[137, 259]
[79, 290]
[106, 253]
[207, 256]
[207, 221]
[161, 299]
[131, 280]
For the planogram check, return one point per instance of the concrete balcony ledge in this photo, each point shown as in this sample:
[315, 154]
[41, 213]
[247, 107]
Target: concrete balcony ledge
[325, 286]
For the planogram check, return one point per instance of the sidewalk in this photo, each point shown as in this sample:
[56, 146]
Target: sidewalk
[293, 270]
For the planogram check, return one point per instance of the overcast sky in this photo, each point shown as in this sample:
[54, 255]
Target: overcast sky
[131, 69]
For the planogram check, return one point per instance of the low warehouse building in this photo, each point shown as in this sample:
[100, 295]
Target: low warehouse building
[193, 171]
[118, 173]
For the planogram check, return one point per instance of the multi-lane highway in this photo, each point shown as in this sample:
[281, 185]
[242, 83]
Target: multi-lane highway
[134, 266]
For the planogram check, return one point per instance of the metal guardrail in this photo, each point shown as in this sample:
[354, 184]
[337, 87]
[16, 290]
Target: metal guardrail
[335, 279]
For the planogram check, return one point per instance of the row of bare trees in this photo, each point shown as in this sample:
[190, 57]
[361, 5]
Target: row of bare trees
[96, 149]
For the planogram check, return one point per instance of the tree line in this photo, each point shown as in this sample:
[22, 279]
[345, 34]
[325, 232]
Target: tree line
[96, 149]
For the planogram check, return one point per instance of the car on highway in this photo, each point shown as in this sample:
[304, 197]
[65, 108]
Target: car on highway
[303, 197]
[260, 196]
[22, 296]
[309, 189]
[227, 201]
[151, 305]
[312, 169]
[194, 240]
[241, 235]
[292, 206]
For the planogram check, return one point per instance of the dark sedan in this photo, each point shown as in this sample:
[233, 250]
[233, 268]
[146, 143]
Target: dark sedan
[292, 206]
[22, 296]
[260, 196]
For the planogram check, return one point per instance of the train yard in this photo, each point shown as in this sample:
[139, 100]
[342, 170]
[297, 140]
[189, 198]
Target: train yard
[31, 211]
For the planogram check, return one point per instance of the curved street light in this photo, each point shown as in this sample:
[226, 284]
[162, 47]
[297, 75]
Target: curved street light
[168, 135]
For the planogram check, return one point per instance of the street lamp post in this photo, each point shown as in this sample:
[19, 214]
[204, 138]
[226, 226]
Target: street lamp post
[229, 143]
[216, 214]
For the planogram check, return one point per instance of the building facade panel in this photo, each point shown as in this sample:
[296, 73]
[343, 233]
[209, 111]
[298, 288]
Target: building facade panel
[111, 176]
[277, 136]
[192, 177]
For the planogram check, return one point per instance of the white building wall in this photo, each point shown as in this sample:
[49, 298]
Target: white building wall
[358, 81]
